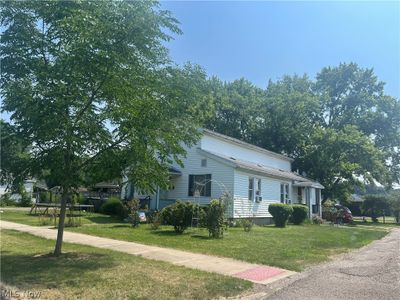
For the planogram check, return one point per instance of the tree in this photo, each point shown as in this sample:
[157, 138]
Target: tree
[351, 95]
[289, 115]
[338, 158]
[376, 206]
[236, 107]
[14, 157]
[341, 128]
[92, 93]
[394, 202]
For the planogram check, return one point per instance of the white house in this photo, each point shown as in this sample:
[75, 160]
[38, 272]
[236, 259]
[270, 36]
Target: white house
[253, 176]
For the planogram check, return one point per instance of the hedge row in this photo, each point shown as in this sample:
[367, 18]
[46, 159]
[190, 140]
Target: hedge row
[282, 212]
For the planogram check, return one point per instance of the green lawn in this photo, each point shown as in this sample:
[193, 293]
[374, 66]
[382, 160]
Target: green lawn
[20, 216]
[389, 222]
[91, 273]
[293, 248]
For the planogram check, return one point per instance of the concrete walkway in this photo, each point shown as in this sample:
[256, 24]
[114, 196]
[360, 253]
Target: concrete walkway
[260, 274]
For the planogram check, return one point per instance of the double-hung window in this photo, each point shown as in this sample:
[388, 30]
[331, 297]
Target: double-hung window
[200, 185]
[254, 189]
[285, 193]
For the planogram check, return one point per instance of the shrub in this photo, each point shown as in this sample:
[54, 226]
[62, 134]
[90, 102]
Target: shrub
[25, 199]
[133, 207]
[299, 215]
[247, 224]
[114, 207]
[280, 213]
[317, 220]
[44, 197]
[215, 219]
[6, 200]
[329, 211]
[179, 215]
[155, 220]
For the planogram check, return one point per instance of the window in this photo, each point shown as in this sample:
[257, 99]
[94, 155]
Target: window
[285, 193]
[299, 195]
[251, 188]
[254, 189]
[200, 185]
[204, 162]
[315, 208]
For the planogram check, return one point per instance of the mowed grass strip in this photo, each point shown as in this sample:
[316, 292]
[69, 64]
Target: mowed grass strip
[292, 248]
[90, 273]
[24, 217]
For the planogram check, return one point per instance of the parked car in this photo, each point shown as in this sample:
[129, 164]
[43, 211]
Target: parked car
[343, 214]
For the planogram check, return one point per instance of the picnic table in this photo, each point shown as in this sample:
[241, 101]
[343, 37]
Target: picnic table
[43, 208]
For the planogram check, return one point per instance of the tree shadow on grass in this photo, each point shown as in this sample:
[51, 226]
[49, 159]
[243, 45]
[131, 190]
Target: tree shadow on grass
[167, 233]
[122, 226]
[103, 220]
[47, 271]
[201, 237]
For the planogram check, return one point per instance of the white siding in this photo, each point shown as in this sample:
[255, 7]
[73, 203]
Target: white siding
[216, 145]
[270, 192]
[312, 196]
[221, 176]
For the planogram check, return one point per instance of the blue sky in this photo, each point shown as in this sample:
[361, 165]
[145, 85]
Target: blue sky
[265, 40]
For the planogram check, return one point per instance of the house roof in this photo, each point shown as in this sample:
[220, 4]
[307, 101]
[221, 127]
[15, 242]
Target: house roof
[259, 168]
[174, 171]
[313, 184]
[247, 145]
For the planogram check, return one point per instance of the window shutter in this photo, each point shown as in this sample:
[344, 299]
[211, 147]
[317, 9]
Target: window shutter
[191, 185]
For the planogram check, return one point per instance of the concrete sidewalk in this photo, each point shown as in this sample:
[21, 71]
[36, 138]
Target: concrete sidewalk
[260, 274]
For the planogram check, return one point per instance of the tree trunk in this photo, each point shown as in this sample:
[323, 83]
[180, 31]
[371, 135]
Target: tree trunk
[61, 222]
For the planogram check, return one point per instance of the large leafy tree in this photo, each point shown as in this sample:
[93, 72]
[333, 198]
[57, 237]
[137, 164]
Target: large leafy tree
[90, 90]
[341, 128]
[289, 114]
[236, 107]
[351, 95]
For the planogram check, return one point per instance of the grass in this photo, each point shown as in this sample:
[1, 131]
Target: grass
[90, 273]
[389, 222]
[293, 248]
[23, 217]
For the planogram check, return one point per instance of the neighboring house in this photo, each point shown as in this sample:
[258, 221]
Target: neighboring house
[254, 177]
[29, 185]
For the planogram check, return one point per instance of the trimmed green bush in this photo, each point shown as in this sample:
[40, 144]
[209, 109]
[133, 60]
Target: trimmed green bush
[246, 223]
[113, 207]
[215, 219]
[280, 213]
[179, 215]
[299, 215]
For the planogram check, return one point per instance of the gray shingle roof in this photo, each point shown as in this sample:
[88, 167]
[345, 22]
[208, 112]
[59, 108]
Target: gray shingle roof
[259, 168]
[247, 145]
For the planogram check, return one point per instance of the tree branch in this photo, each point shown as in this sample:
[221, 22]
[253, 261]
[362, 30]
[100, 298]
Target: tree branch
[112, 145]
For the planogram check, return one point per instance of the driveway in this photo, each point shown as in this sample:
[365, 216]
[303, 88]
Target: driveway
[372, 272]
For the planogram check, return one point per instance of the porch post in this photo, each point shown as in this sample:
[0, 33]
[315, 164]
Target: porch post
[320, 203]
[308, 201]
[158, 197]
